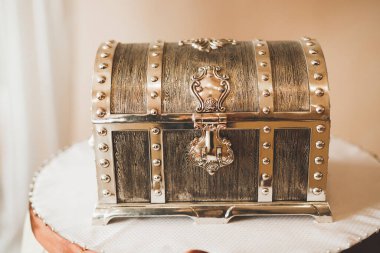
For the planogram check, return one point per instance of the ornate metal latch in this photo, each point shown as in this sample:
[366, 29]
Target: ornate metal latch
[210, 151]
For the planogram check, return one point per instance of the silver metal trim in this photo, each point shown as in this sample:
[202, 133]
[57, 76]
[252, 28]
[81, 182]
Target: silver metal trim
[157, 166]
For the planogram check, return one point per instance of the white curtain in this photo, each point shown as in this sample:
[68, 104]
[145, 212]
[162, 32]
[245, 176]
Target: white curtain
[34, 102]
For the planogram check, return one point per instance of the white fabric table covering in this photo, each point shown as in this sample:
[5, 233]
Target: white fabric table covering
[65, 197]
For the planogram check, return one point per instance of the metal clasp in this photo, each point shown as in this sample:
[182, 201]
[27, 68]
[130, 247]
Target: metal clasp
[210, 151]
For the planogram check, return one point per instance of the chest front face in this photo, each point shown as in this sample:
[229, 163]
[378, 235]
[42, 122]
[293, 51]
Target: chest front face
[211, 128]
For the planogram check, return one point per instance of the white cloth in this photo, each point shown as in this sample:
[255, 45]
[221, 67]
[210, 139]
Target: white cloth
[65, 197]
[33, 117]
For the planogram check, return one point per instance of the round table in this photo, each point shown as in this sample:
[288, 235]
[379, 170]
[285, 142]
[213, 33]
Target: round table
[64, 192]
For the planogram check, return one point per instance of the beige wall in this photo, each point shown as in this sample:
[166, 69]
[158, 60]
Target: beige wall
[348, 31]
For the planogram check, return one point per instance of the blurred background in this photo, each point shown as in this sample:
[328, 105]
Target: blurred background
[48, 49]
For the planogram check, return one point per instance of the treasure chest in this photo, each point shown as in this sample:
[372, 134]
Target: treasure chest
[211, 129]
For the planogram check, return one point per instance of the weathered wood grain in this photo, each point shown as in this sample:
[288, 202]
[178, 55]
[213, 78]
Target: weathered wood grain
[290, 77]
[235, 182]
[132, 170]
[180, 63]
[291, 163]
[128, 88]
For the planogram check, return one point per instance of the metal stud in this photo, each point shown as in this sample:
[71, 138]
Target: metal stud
[102, 131]
[263, 64]
[318, 160]
[106, 193]
[266, 129]
[265, 191]
[103, 147]
[156, 162]
[319, 144]
[156, 146]
[266, 160]
[153, 111]
[103, 65]
[266, 145]
[315, 62]
[262, 52]
[101, 79]
[266, 110]
[105, 178]
[309, 43]
[319, 92]
[154, 94]
[156, 46]
[266, 93]
[180, 43]
[320, 109]
[100, 95]
[156, 178]
[104, 163]
[318, 76]
[320, 128]
[157, 192]
[100, 112]
[306, 38]
[265, 77]
[317, 191]
[312, 51]
[106, 46]
[104, 55]
[318, 175]
[109, 42]
[155, 130]
[154, 78]
[259, 44]
[265, 176]
[154, 65]
[155, 54]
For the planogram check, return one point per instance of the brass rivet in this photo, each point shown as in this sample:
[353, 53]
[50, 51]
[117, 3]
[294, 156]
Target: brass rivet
[109, 42]
[103, 65]
[320, 109]
[262, 52]
[309, 43]
[319, 92]
[155, 130]
[154, 94]
[106, 193]
[265, 191]
[106, 46]
[105, 178]
[263, 64]
[260, 44]
[154, 65]
[104, 55]
[104, 163]
[156, 146]
[318, 76]
[315, 62]
[156, 46]
[100, 112]
[320, 128]
[266, 93]
[317, 191]
[266, 161]
[156, 162]
[319, 144]
[265, 77]
[318, 175]
[103, 147]
[266, 129]
[157, 192]
[319, 160]
[101, 79]
[265, 176]
[155, 54]
[102, 131]
[266, 145]
[180, 43]
[306, 38]
[153, 111]
[100, 95]
[312, 51]
[266, 110]
[154, 78]
[156, 178]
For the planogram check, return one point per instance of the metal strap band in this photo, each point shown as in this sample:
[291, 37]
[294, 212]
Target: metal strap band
[320, 133]
[154, 70]
[157, 166]
[265, 176]
[101, 92]
[264, 78]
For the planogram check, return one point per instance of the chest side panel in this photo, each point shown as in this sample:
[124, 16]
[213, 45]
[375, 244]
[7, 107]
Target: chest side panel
[291, 164]
[128, 89]
[132, 167]
[290, 77]
[235, 182]
[180, 63]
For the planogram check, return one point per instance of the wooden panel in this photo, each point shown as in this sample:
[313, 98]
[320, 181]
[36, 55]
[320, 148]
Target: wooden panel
[290, 78]
[236, 182]
[128, 86]
[180, 63]
[132, 167]
[291, 164]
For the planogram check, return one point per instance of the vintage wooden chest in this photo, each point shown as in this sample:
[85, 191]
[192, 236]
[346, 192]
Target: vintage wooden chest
[211, 129]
